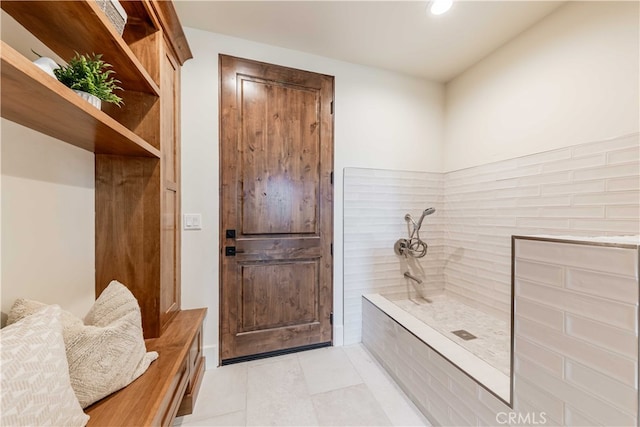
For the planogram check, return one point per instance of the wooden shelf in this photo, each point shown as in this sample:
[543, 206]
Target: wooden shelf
[81, 26]
[38, 101]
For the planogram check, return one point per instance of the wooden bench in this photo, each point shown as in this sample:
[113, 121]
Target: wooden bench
[169, 387]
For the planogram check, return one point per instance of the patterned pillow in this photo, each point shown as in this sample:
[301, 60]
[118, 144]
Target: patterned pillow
[35, 376]
[114, 303]
[107, 351]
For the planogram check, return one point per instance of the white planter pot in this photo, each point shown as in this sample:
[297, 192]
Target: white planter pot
[92, 99]
[47, 65]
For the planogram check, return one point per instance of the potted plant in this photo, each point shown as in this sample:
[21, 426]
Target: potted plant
[89, 76]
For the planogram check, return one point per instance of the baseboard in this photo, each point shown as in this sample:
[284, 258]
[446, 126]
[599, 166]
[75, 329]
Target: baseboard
[211, 355]
[338, 335]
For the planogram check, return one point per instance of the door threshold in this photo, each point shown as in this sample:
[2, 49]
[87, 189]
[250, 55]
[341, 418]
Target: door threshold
[274, 353]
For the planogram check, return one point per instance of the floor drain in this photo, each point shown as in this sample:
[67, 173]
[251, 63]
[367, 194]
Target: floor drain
[464, 334]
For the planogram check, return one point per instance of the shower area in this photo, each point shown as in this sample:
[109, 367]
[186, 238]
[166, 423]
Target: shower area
[433, 252]
[396, 259]
[484, 335]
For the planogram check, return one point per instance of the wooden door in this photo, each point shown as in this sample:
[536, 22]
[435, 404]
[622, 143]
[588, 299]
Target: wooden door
[276, 161]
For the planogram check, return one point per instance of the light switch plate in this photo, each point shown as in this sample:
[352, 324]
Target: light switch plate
[192, 222]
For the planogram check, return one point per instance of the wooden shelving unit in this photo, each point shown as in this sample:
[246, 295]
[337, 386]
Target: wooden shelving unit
[38, 101]
[80, 26]
[137, 147]
[137, 176]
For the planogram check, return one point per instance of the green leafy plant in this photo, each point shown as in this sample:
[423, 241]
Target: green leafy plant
[89, 73]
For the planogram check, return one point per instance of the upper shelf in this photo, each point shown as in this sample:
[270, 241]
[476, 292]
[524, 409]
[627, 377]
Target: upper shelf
[80, 26]
[36, 100]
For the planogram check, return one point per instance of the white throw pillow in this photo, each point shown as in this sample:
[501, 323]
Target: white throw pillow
[115, 302]
[107, 351]
[35, 385]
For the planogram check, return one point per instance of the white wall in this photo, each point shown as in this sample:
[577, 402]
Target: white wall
[572, 78]
[48, 232]
[382, 120]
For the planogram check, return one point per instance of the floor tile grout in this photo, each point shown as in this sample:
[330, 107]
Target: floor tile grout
[335, 392]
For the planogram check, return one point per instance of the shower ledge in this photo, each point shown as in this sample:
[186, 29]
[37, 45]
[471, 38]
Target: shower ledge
[616, 240]
[480, 371]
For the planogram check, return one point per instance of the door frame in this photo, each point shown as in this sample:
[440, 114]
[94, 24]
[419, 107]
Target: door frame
[327, 231]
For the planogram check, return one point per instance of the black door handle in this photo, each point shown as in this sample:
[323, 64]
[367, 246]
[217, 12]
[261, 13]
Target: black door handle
[231, 251]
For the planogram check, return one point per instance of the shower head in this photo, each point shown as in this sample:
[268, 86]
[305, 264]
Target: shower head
[426, 212]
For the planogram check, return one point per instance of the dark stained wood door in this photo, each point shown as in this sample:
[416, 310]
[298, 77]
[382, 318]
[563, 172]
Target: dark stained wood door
[276, 162]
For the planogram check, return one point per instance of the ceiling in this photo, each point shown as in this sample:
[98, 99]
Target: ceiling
[395, 35]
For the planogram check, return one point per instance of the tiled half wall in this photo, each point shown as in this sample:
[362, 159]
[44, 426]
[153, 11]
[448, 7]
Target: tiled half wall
[575, 352]
[587, 189]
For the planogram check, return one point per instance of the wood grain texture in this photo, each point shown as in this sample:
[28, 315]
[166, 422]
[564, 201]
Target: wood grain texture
[128, 231]
[142, 34]
[170, 145]
[140, 114]
[140, 17]
[280, 338]
[145, 47]
[154, 398]
[188, 402]
[138, 210]
[196, 373]
[169, 290]
[172, 27]
[169, 108]
[279, 151]
[80, 26]
[38, 101]
[276, 157]
[278, 294]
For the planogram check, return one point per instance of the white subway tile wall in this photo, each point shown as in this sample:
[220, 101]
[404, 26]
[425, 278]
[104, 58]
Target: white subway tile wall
[593, 369]
[375, 203]
[587, 189]
[573, 366]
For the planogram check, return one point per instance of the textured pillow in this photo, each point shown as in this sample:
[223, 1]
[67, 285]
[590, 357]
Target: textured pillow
[114, 303]
[23, 307]
[35, 376]
[107, 351]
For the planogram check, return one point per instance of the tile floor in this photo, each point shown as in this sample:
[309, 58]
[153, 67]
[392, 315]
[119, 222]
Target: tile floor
[335, 386]
[446, 314]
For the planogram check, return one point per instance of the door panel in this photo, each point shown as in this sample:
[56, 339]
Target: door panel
[170, 237]
[169, 291]
[290, 288]
[280, 173]
[276, 158]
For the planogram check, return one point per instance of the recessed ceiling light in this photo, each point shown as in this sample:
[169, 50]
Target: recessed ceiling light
[438, 7]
